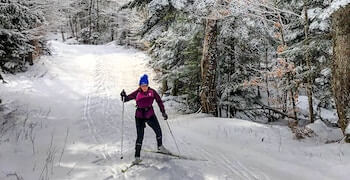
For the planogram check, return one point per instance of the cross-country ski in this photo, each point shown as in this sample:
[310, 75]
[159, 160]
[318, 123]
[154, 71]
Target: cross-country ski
[138, 163]
[175, 155]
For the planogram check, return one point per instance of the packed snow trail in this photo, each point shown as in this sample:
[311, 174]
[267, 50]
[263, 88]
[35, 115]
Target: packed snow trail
[75, 109]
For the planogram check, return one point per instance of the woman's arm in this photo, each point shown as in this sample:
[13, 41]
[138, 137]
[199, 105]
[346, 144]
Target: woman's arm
[159, 101]
[131, 96]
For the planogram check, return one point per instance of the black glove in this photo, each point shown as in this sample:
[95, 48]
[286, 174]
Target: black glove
[123, 95]
[165, 116]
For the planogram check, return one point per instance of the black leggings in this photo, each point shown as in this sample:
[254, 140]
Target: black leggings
[140, 127]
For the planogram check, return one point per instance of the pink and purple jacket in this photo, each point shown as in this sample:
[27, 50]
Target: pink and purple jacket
[144, 101]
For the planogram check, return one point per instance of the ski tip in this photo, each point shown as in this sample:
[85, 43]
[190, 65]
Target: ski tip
[131, 165]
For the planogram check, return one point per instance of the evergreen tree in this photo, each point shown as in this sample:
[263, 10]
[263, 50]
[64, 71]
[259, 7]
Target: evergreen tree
[307, 47]
[18, 35]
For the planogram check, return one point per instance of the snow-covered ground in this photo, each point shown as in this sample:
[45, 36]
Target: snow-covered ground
[62, 120]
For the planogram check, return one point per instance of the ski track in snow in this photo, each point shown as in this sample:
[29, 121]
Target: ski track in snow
[97, 74]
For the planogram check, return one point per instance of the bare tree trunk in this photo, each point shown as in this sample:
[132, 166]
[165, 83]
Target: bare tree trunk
[227, 93]
[292, 95]
[71, 25]
[62, 33]
[267, 81]
[174, 90]
[308, 64]
[284, 96]
[165, 86]
[259, 67]
[98, 15]
[228, 111]
[284, 100]
[112, 34]
[1, 78]
[208, 68]
[341, 66]
[76, 20]
[90, 18]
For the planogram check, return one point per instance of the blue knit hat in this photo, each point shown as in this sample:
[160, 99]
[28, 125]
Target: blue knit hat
[144, 80]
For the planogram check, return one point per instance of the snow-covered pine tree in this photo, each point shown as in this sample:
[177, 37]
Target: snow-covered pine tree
[175, 37]
[170, 33]
[255, 56]
[309, 54]
[18, 35]
[251, 40]
[241, 47]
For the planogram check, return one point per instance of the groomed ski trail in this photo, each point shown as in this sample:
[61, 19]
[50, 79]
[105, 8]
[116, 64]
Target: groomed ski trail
[83, 84]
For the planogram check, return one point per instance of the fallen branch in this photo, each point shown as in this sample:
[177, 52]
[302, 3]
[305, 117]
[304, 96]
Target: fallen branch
[14, 174]
[263, 107]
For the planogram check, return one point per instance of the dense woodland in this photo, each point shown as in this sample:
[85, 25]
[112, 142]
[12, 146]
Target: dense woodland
[245, 59]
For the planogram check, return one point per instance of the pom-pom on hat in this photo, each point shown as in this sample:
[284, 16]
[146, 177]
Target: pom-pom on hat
[144, 80]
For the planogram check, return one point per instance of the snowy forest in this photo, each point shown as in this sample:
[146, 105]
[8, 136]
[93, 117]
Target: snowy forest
[269, 77]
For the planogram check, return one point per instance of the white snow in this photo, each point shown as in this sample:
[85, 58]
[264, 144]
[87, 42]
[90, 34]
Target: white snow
[179, 4]
[156, 5]
[72, 98]
[335, 5]
[347, 131]
[324, 133]
[312, 13]
[327, 71]
[303, 106]
[320, 25]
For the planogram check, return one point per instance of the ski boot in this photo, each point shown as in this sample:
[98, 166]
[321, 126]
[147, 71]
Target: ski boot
[137, 160]
[163, 150]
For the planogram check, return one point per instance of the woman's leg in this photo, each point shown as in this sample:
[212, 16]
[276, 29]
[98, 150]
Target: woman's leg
[140, 127]
[154, 124]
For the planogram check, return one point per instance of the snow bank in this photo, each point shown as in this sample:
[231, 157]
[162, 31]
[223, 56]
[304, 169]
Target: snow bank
[324, 133]
[326, 114]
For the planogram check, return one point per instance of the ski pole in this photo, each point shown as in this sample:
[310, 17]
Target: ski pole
[121, 147]
[173, 137]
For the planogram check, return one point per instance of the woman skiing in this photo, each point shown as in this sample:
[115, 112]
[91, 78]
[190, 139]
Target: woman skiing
[144, 97]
